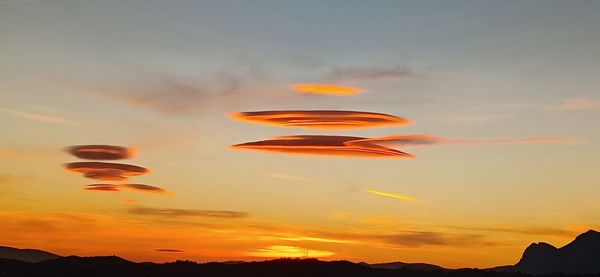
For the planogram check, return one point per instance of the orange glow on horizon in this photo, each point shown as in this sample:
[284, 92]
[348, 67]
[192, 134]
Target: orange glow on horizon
[286, 251]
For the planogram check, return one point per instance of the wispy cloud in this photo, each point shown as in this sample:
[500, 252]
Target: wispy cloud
[321, 119]
[37, 116]
[579, 104]
[404, 197]
[285, 176]
[186, 95]
[185, 212]
[363, 73]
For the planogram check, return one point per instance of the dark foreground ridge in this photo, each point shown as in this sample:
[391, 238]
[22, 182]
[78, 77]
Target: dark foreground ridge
[578, 258]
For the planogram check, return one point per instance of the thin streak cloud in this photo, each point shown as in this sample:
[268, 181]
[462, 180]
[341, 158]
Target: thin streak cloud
[392, 195]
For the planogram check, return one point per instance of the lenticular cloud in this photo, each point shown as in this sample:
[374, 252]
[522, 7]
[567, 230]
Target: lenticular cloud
[106, 171]
[101, 152]
[321, 119]
[323, 145]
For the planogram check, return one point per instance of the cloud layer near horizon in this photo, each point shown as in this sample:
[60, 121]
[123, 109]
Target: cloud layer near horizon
[321, 119]
[185, 212]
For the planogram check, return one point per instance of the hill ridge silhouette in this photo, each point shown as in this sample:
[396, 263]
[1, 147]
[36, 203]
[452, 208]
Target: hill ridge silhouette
[579, 257]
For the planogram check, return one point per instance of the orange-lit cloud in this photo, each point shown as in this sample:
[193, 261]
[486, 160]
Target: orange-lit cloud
[369, 147]
[286, 251]
[392, 195]
[322, 145]
[185, 212]
[119, 187]
[106, 171]
[101, 152]
[37, 116]
[321, 119]
[326, 89]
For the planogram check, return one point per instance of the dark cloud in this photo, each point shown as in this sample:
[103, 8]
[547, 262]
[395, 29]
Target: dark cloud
[185, 212]
[321, 119]
[322, 145]
[101, 152]
[169, 250]
[119, 187]
[362, 73]
[106, 171]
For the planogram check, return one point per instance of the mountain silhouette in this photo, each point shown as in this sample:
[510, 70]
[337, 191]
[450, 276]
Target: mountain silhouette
[581, 256]
[25, 255]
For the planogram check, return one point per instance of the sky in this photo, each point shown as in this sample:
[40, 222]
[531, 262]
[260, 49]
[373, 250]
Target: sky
[446, 132]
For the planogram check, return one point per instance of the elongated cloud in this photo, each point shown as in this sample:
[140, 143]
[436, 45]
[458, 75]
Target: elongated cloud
[106, 171]
[286, 251]
[426, 140]
[102, 187]
[392, 195]
[119, 187]
[369, 147]
[186, 212]
[322, 145]
[321, 119]
[169, 250]
[326, 89]
[101, 152]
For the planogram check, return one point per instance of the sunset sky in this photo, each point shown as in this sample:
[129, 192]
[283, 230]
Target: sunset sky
[446, 132]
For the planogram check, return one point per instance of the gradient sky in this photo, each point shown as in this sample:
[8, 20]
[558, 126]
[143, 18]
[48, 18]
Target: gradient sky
[512, 86]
